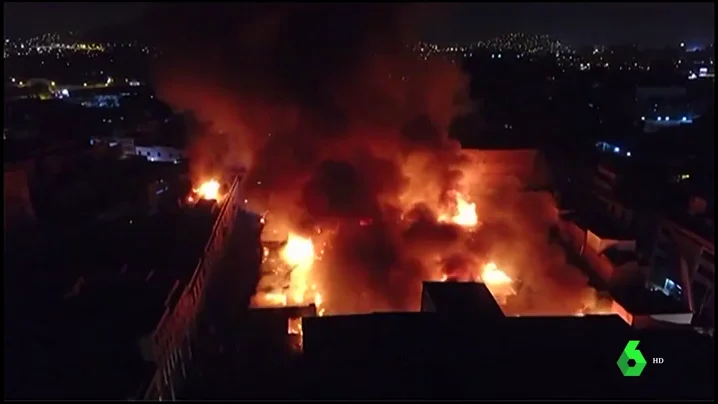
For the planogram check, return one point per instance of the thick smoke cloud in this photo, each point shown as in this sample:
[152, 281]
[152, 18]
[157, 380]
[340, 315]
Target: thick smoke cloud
[338, 122]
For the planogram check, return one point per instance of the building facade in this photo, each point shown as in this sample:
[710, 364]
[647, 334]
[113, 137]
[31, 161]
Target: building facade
[169, 347]
[683, 266]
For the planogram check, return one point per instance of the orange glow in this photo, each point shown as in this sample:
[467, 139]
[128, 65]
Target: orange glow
[498, 282]
[208, 190]
[299, 255]
[463, 211]
[492, 275]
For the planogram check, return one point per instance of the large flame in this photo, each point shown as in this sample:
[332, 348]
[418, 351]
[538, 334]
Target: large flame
[462, 211]
[492, 275]
[300, 256]
[208, 190]
[499, 283]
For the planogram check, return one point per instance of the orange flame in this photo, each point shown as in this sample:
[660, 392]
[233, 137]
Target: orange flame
[208, 190]
[498, 282]
[299, 253]
[463, 212]
[492, 275]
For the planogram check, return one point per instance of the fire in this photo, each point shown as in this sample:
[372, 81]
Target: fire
[299, 254]
[208, 190]
[463, 211]
[492, 275]
[499, 283]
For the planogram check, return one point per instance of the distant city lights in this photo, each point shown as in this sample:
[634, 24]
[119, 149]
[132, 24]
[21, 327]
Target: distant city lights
[611, 148]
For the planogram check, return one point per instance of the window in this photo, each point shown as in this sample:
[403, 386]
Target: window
[159, 154]
[707, 273]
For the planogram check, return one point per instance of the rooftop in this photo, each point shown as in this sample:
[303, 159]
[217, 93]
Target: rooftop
[599, 224]
[638, 300]
[425, 355]
[460, 298]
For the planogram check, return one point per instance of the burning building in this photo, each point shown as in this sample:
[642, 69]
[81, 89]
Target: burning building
[365, 195]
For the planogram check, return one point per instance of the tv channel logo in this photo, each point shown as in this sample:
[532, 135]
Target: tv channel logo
[632, 362]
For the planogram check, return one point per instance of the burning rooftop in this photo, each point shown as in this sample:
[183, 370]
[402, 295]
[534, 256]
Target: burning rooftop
[497, 236]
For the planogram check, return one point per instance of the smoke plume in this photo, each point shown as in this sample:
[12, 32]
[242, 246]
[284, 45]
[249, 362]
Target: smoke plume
[339, 121]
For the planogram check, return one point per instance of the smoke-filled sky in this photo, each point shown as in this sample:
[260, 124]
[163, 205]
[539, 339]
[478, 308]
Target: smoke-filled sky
[578, 23]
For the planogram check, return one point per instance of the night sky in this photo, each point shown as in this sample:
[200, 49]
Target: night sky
[646, 24]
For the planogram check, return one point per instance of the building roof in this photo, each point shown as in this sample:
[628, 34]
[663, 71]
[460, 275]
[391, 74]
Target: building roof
[424, 355]
[599, 224]
[462, 298]
[638, 300]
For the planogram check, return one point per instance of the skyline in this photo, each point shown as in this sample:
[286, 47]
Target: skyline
[645, 24]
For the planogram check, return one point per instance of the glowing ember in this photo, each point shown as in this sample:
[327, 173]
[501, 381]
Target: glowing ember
[294, 326]
[294, 329]
[463, 212]
[208, 190]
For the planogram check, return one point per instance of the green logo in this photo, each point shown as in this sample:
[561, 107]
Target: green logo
[631, 353]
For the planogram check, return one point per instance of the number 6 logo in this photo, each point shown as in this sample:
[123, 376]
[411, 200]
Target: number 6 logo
[630, 352]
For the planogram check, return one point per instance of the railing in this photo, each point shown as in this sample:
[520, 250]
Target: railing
[178, 319]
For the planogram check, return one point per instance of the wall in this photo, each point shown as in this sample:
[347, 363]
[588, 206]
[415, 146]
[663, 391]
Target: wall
[590, 247]
[600, 245]
[171, 340]
[616, 308]
[695, 263]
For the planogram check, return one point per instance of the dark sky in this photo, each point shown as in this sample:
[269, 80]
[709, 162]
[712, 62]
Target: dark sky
[579, 23]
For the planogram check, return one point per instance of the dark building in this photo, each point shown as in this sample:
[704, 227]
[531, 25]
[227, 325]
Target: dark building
[476, 355]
